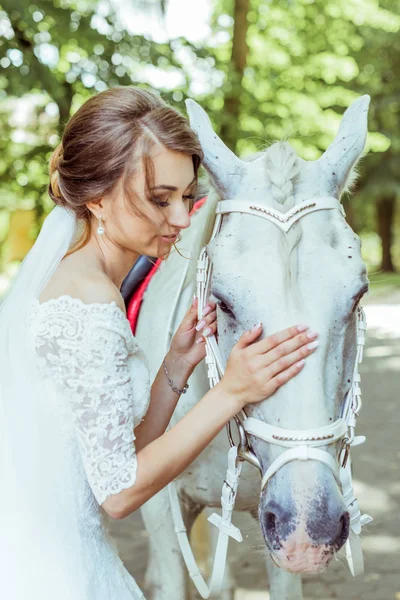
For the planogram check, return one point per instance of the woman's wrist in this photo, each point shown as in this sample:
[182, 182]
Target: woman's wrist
[235, 401]
[178, 369]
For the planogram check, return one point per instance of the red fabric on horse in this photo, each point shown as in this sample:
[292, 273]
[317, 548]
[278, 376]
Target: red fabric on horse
[137, 297]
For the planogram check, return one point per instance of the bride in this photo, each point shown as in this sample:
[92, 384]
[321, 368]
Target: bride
[82, 431]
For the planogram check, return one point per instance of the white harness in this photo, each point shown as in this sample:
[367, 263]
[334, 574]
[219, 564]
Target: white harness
[299, 444]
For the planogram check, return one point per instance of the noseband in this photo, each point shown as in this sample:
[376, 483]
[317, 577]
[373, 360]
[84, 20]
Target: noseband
[301, 445]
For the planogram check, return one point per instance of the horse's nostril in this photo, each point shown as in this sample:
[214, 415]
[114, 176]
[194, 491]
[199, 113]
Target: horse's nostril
[343, 532]
[270, 522]
[271, 526]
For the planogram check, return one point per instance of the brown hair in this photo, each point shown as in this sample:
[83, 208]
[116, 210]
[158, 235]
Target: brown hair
[100, 141]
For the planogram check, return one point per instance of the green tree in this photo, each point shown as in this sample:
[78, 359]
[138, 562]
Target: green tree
[270, 70]
[52, 57]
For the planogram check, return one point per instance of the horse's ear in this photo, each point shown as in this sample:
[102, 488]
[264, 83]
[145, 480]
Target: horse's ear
[346, 149]
[223, 166]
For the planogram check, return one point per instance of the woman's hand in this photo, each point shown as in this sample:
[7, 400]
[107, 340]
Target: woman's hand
[255, 370]
[188, 343]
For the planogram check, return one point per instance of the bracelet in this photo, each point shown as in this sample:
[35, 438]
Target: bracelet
[171, 383]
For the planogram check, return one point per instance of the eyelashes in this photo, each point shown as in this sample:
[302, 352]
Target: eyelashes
[165, 203]
[222, 305]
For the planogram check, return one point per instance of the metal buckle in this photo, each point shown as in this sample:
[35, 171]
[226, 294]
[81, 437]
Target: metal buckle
[244, 450]
[346, 448]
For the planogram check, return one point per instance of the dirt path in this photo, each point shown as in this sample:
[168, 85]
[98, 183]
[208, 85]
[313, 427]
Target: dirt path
[377, 474]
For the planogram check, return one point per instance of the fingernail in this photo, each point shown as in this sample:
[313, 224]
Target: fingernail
[194, 300]
[302, 327]
[200, 325]
[256, 326]
[200, 340]
[207, 331]
[312, 334]
[206, 310]
[300, 363]
[313, 345]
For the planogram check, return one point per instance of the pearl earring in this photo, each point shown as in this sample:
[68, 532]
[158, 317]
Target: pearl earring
[100, 229]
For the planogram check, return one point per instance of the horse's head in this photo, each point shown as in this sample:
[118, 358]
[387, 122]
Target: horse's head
[311, 274]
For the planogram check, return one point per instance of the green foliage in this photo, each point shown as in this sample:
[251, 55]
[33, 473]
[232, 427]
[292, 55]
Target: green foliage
[53, 56]
[306, 61]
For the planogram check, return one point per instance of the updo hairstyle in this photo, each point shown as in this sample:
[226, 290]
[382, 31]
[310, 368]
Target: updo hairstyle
[109, 139]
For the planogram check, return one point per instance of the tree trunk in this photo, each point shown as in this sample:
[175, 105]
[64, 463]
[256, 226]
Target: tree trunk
[231, 113]
[385, 215]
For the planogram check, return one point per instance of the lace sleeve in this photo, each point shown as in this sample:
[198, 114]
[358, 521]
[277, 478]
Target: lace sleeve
[85, 351]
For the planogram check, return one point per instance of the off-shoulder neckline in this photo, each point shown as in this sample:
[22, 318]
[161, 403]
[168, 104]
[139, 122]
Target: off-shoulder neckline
[75, 300]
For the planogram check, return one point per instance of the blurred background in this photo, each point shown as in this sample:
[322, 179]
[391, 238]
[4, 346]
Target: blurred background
[264, 70]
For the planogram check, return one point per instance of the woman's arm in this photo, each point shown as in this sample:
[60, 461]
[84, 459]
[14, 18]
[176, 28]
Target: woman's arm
[261, 367]
[163, 459]
[163, 401]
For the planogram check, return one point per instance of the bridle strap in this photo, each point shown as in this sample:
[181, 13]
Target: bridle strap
[283, 220]
[302, 445]
[223, 522]
[294, 437]
[300, 453]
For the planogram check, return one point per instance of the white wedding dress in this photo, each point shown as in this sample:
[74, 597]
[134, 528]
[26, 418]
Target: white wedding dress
[100, 390]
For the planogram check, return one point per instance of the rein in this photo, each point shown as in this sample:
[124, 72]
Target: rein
[296, 444]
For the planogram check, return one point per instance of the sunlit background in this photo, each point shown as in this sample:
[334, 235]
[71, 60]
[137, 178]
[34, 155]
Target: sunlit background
[263, 70]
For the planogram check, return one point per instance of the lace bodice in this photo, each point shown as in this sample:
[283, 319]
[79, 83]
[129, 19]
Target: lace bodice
[90, 353]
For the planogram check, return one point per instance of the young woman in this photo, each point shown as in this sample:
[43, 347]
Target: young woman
[83, 433]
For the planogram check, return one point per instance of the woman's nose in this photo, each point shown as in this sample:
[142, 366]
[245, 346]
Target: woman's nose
[179, 217]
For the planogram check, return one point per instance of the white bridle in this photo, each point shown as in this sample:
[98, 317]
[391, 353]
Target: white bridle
[300, 444]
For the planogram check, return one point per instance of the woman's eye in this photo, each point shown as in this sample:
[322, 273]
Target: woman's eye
[164, 203]
[160, 202]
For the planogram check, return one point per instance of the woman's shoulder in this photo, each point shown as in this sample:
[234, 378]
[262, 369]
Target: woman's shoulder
[80, 299]
[88, 287]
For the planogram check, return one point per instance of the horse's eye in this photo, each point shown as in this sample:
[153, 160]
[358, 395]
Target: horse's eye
[221, 303]
[225, 309]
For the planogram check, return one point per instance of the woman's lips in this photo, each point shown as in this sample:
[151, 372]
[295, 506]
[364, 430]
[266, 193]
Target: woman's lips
[169, 239]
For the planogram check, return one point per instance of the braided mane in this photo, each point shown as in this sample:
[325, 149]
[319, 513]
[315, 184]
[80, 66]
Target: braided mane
[282, 169]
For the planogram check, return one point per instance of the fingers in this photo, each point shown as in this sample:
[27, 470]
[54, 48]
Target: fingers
[284, 376]
[248, 337]
[208, 325]
[270, 342]
[190, 318]
[301, 340]
[285, 362]
[208, 308]
[208, 320]
[274, 340]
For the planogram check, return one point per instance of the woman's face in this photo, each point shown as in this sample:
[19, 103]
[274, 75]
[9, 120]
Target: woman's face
[174, 186]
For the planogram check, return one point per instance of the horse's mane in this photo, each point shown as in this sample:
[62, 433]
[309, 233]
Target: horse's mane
[282, 169]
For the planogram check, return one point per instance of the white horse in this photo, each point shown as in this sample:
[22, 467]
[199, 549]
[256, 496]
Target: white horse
[313, 274]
